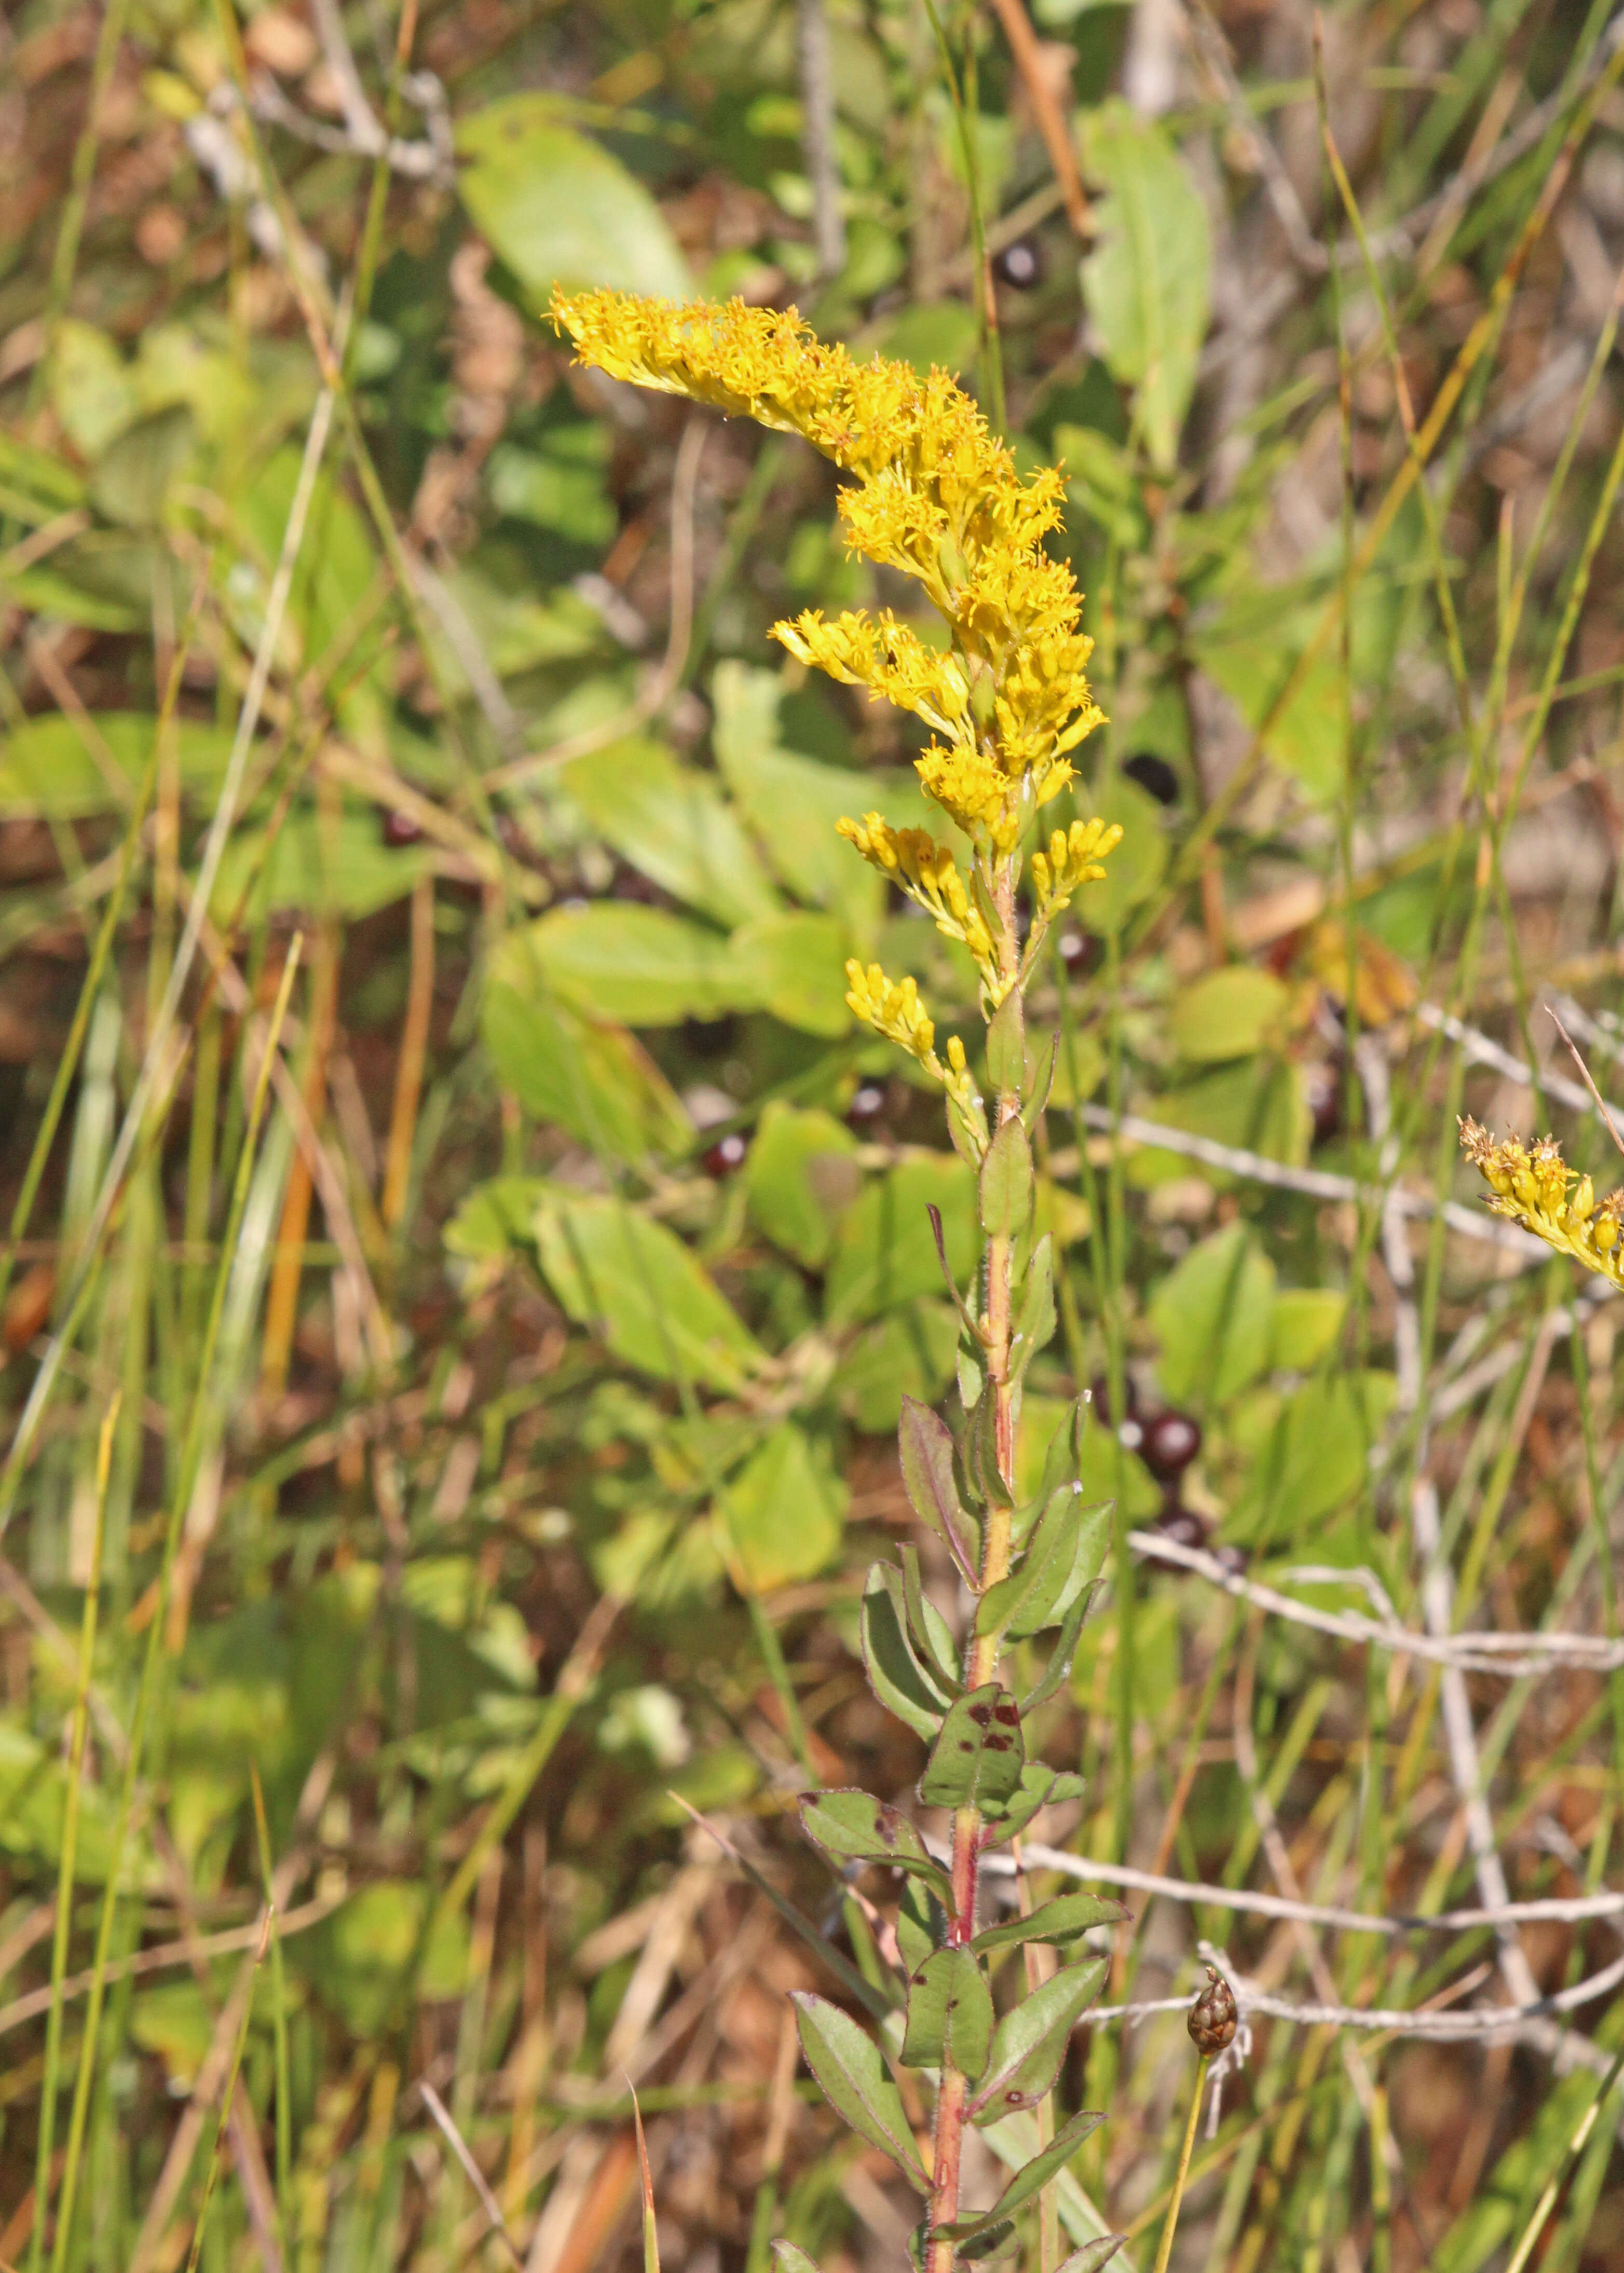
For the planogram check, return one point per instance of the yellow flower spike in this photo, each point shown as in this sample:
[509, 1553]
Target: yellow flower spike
[927, 871]
[1530, 1184]
[893, 1009]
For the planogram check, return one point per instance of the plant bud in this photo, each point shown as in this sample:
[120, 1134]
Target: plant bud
[1213, 2018]
[983, 697]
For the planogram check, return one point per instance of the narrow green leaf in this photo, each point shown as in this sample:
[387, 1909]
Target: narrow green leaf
[1061, 1920]
[854, 1826]
[852, 2076]
[978, 1758]
[925, 1446]
[1025, 2183]
[1032, 2039]
[1035, 1324]
[1060, 1657]
[1065, 1557]
[796, 2261]
[1032, 1111]
[1006, 1047]
[970, 1379]
[895, 1674]
[1007, 1188]
[1093, 2255]
[949, 2014]
[927, 1627]
[921, 1923]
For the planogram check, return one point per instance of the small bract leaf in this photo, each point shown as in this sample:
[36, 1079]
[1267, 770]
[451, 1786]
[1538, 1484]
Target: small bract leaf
[796, 2261]
[1039, 1787]
[1035, 1324]
[977, 1759]
[1006, 1047]
[927, 1629]
[852, 2076]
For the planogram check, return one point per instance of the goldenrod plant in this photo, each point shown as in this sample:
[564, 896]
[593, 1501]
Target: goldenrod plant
[936, 496]
[1535, 1187]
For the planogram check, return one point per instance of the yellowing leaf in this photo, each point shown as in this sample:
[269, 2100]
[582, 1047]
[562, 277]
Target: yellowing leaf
[1228, 1014]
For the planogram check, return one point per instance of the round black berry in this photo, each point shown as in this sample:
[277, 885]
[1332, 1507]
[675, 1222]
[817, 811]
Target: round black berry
[1153, 774]
[399, 829]
[867, 1104]
[1020, 265]
[1182, 1527]
[1171, 1442]
[726, 1154]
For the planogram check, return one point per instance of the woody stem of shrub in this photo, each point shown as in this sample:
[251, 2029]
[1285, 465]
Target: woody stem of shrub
[982, 1658]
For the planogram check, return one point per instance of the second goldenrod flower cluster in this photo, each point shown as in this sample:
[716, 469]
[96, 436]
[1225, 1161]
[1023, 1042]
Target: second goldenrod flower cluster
[1531, 1185]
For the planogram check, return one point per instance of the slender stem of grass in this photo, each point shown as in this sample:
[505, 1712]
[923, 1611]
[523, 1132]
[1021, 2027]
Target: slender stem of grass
[184, 1480]
[1171, 2226]
[1548, 2201]
[223, 2126]
[70, 1844]
[279, 2024]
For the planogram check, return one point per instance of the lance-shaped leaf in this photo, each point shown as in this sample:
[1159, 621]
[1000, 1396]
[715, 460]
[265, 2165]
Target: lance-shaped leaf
[854, 1826]
[895, 1674]
[1025, 2183]
[949, 2014]
[927, 1629]
[1007, 1187]
[854, 2078]
[1032, 2039]
[1039, 1787]
[981, 1457]
[1006, 1047]
[1093, 2254]
[1061, 1920]
[921, 1923]
[1032, 1111]
[993, 2243]
[792, 2260]
[977, 1759]
[1063, 1558]
[1035, 1322]
[1060, 1657]
[925, 1443]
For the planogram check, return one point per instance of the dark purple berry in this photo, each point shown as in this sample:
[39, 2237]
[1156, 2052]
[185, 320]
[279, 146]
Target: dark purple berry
[1020, 265]
[1171, 1442]
[1153, 774]
[399, 829]
[1074, 950]
[726, 1154]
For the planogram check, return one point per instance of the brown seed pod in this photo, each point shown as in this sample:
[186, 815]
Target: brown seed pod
[1213, 2017]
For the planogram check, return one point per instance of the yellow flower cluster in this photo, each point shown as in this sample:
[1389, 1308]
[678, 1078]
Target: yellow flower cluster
[1531, 1185]
[937, 497]
[893, 1009]
[1073, 858]
[929, 873]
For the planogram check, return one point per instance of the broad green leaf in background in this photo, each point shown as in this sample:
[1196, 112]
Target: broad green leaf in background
[496, 1218]
[342, 867]
[636, 1283]
[1213, 1314]
[933, 334]
[559, 210]
[794, 966]
[558, 486]
[1099, 481]
[47, 770]
[783, 1512]
[909, 1353]
[140, 467]
[670, 823]
[35, 484]
[884, 1253]
[635, 965]
[1306, 1321]
[800, 1179]
[1147, 283]
[356, 1955]
[1256, 1105]
[595, 1081]
[1313, 1458]
[1228, 1014]
[1307, 740]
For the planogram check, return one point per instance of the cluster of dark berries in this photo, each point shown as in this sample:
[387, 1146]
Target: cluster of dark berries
[1168, 1442]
